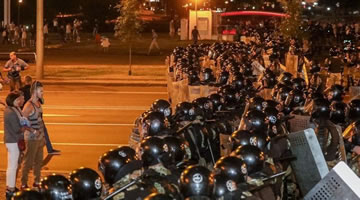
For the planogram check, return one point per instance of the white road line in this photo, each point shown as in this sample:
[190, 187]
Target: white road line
[126, 108]
[86, 124]
[84, 144]
[105, 92]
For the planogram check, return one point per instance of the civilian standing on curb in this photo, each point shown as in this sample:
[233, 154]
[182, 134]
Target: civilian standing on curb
[34, 139]
[13, 133]
[13, 68]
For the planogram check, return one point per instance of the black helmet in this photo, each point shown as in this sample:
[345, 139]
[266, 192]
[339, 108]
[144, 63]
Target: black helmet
[240, 138]
[151, 151]
[56, 187]
[283, 93]
[195, 181]
[222, 78]
[336, 93]
[193, 78]
[230, 99]
[270, 103]
[255, 120]
[185, 111]
[321, 109]
[28, 195]
[204, 106]
[285, 78]
[298, 98]
[153, 123]
[175, 150]
[217, 101]
[354, 110]
[206, 76]
[259, 139]
[298, 84]
[162, 106]
[85, 184]
[257, 103]
[225, 188]
[157, 196]
[116, 163]
[338, 112]
[231, 167]
[269, 80]
[252, 156]
[238, 82]
[272, 115]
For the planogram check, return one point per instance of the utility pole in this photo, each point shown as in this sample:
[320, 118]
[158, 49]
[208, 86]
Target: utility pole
[39, 39]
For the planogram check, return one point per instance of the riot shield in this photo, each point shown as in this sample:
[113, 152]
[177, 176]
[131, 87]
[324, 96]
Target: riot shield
[176, 92]
[194, 92]
[354, 91]
[291, 63]
[225, 145]
[184, 90]
[310, 165]
[299, 123]
[340, 183]
[204, 90]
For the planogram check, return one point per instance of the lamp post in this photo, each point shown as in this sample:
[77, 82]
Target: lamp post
[19, 4]
[196, 12]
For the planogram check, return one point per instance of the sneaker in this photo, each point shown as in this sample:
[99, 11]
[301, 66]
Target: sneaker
[23, 187]
[36, 186]
[9, 194]
[54, 152]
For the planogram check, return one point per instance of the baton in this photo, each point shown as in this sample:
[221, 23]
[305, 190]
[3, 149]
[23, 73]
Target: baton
[266, 179]
[185, 127]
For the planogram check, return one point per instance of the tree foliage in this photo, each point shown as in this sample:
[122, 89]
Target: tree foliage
[290, 26]
[128, 25]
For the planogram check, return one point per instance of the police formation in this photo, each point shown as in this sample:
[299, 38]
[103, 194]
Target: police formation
[233, 144]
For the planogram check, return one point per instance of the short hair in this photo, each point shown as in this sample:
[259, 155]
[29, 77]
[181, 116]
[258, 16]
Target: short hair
[28, 79]
[12, 53]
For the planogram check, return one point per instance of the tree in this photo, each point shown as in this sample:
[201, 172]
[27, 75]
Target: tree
[290, 26]
[128, 25]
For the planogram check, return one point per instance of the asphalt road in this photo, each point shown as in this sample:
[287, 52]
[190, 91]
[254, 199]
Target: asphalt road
[84, 122]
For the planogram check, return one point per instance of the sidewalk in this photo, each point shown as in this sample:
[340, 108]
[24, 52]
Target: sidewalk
[109, 75]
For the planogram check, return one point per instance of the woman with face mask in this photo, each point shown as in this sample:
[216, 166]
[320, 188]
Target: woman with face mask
[14, 127]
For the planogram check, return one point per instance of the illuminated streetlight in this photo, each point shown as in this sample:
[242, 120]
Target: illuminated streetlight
[19, 3]
[328, 8]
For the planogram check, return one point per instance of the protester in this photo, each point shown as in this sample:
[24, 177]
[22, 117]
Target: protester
[13, 134]
[34, 139]
[13, 68]
[26, 88]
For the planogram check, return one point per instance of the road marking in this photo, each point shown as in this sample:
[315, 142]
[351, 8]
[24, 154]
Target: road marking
[60, 115]
[86, 124]
[126, 108]
[106, 92]
[84, 144]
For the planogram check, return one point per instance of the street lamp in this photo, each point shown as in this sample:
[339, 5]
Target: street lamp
[196, 12]
[19, 3]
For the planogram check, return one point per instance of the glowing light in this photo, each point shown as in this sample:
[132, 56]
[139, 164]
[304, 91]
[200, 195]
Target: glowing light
[247, 13]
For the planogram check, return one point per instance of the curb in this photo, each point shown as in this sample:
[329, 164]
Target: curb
[107, 83]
